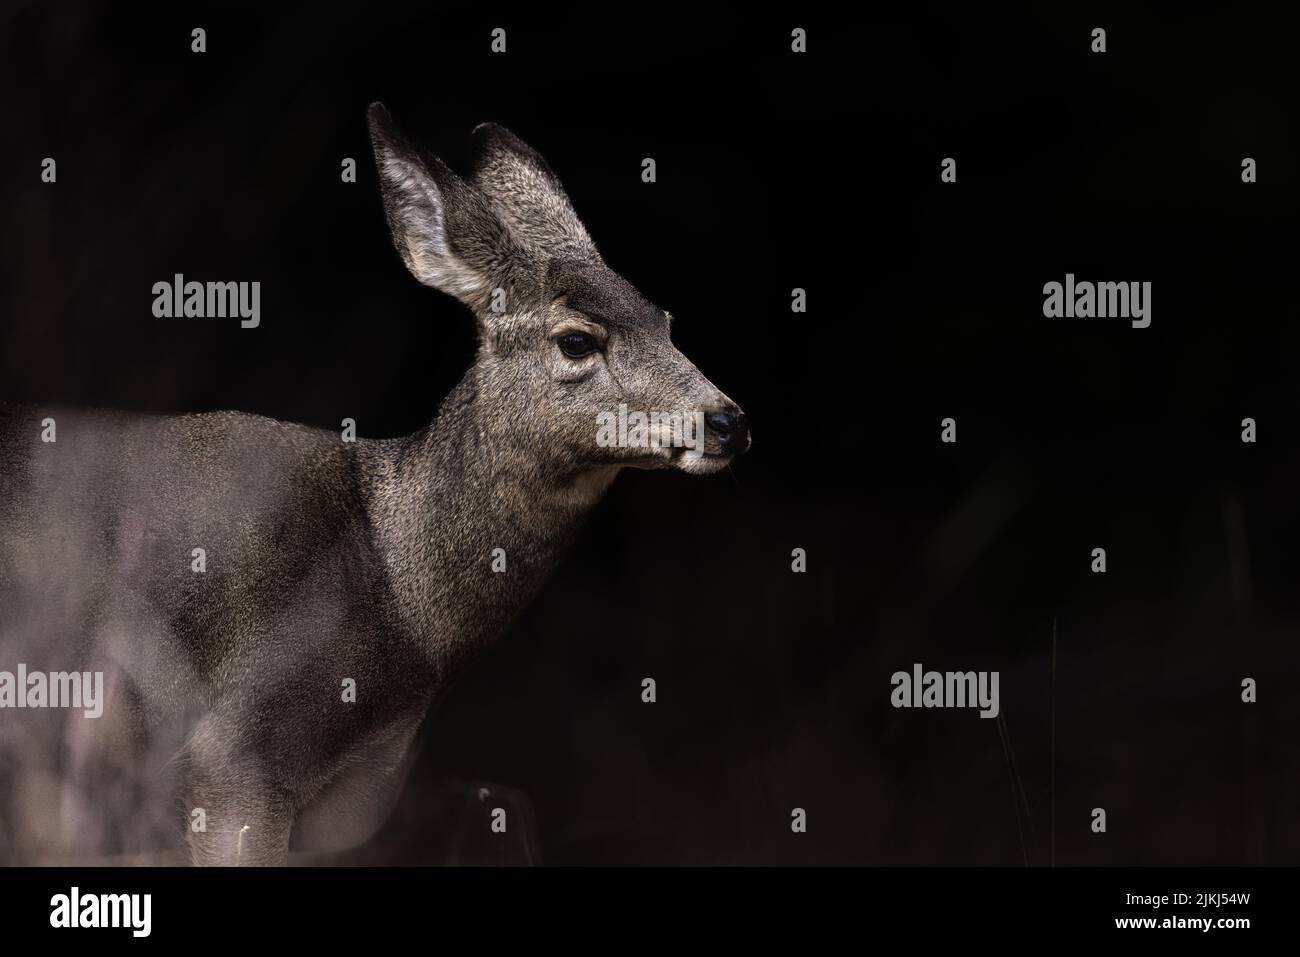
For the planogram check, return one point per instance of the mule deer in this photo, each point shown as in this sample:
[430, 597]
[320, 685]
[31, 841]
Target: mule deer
[323, 561]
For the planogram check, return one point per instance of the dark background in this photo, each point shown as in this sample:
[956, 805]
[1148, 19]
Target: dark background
[774, 171]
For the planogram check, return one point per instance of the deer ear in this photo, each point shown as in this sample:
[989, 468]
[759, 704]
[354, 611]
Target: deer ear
[443, 229]
[526, 194]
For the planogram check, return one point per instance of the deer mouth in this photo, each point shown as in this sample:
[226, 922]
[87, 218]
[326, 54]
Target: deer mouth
[697, 463]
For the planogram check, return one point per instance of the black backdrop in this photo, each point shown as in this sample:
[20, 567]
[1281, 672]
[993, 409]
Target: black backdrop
[774, 171]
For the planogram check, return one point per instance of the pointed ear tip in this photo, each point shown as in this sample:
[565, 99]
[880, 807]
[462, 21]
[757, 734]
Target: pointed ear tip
[379, 119]
[489, 132]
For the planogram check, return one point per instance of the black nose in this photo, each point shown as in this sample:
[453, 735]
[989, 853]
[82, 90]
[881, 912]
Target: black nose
[731, 428]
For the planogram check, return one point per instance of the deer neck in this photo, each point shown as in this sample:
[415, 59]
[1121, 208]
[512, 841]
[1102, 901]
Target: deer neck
[469, 520]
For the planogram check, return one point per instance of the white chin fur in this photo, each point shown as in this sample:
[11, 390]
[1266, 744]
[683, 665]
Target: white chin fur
[702, 464]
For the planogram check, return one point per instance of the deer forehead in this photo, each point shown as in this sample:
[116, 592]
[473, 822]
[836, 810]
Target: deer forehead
[603, 296]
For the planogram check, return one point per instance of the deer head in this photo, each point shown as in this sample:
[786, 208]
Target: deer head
[567, 347]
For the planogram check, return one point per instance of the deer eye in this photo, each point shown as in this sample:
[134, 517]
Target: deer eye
[575, 345]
